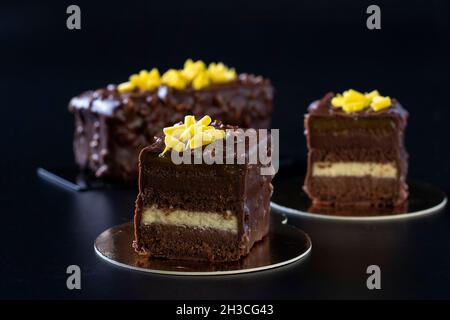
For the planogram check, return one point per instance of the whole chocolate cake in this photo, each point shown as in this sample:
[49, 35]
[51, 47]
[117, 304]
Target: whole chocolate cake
[356, 152]
[205, 211]
[113, 124]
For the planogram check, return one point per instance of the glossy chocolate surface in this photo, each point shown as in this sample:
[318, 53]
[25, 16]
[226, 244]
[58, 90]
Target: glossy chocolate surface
[112, 127]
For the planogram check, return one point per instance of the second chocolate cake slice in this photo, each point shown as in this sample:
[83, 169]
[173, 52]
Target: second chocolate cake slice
[356, 153]
[113, 124]
[213, 212]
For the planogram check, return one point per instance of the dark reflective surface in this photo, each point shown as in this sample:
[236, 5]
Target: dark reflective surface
[71, 178]
[301, 46]
[283, 245]
[423, 198]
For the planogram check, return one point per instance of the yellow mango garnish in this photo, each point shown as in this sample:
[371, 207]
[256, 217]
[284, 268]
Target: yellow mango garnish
[372, 94]
[218, 134]
[193, 69]
[337, 101]
[175, 79]
[219, 73]
[146, 80]
[191, 134]
[205, 121]
[197, 141]
[189, 121]
[194, 74]
[175, 130]
[354, 106]
[354, 101]
[379, 103]
[173, 143]
[352, 94]
[125, 87]
[153, 79]
[201, 81]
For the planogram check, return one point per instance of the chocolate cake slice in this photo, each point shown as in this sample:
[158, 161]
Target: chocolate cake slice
[209, 212]
[356, 152]
[113, 124]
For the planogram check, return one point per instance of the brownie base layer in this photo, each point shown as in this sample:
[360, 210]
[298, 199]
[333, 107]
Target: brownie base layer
[352, 191]
[184, 243]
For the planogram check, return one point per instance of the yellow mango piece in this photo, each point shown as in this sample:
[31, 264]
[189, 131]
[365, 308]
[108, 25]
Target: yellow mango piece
[134, 79]
[171, 141]
[208, 128]
[154, 73]
[354, 101]
[153, 79]
[173, 78]
[205, 121]
[196, 141]
[139, 80]
[372, 94]
[219, 73]
[354, 106]
[188, 133]
[189, 120]
[218, 134]
[175, 130]
[191, 134]
[179, 147]
[201, 81]
[125, 87]
[164, 151]
[337, 101]
[379, 103]
[143, 73]
[192, 69]
[352, 95]
[188, 63]
[207, 137]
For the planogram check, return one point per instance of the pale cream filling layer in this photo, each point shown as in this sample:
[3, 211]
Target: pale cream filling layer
[354, 169]
[193, 219]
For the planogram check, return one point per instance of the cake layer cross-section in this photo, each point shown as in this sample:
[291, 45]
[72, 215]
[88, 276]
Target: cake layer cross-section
[209, 212]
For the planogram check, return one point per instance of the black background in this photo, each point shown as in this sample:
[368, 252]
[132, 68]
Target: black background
[305, 47]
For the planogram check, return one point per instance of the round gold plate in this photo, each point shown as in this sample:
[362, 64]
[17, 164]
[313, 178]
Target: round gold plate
[289, 198]
[283, 245]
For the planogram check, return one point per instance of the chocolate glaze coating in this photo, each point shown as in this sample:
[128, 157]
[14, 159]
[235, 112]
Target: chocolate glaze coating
[368, 136]
[236, 188]
[112, 127]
